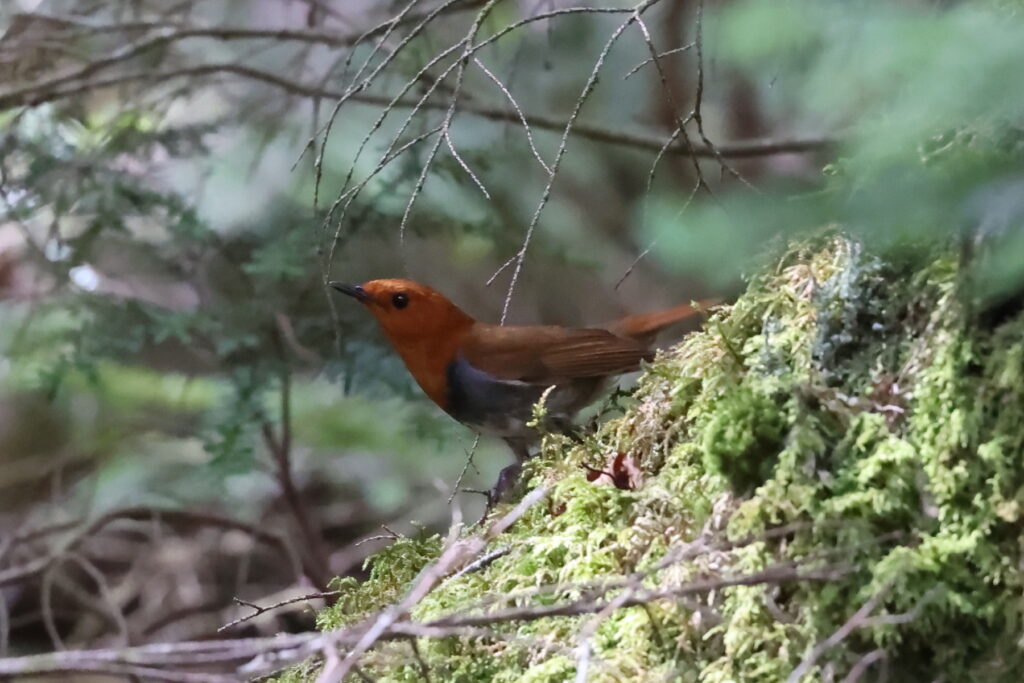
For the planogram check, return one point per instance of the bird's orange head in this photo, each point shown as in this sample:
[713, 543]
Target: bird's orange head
[409, 313]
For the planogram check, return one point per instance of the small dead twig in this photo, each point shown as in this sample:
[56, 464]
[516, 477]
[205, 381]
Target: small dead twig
[259, 610]
[482, 562]
[5, 626]
[166, 660]
[696, 113]
[640, 257]
[591, 605]
[465, 468]
[660, 55]
[389, 536]
[586, 634]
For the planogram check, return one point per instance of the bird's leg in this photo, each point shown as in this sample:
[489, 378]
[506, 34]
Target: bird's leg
[507, 480]
[509, 477]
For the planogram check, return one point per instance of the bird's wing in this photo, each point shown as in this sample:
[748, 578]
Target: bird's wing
[550, 355]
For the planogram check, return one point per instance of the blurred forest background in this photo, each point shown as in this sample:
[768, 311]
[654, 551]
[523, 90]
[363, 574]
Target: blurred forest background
[187, 414]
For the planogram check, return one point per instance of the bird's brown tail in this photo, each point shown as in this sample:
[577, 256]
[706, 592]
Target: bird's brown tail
[644, 326]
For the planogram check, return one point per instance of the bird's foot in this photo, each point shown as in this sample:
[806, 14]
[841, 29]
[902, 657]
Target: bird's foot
[505, 486]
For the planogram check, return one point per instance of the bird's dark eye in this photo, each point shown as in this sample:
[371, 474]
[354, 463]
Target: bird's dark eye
[400, 300]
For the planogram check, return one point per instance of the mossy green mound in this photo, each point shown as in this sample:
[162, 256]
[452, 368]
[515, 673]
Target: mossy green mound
[846, 417]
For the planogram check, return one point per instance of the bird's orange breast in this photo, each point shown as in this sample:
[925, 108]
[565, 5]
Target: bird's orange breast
[427, 360]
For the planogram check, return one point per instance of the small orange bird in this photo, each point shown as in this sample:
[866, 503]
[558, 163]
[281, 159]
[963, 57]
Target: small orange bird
[489, 377]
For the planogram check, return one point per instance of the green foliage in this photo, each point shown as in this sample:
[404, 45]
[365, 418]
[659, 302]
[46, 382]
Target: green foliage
[146, 299]
[930, 143]
[893, 451]
[231, 435]
[390, 571]
[140, 278]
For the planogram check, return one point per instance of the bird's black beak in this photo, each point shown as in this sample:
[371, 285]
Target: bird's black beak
[354, 291]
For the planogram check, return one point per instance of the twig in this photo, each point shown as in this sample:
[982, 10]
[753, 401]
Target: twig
[696, 114]
[633, 265]
[465, 468]
[482, 562]
[680, 129]
[515, 106]
[32, 96]
[158, 658]
[592, 605]
[5, 625]
[449, 115]
[588, 88]
[105, 609]
[586, 634]
[175, 31]
[390, 535]
[267, 654]
[660, 55]
[258, 610]
[331, 660]
[860, 619]
[354, 89]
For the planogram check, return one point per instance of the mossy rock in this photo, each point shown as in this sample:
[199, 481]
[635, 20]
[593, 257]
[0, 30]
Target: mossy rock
[843, 413]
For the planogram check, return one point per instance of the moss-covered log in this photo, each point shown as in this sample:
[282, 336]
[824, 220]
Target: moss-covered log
[846, 416]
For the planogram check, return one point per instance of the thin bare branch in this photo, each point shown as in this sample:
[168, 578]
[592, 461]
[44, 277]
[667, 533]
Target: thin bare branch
[860, 619]
[863, 664]
[661, 55]
[258, 610]
[468, 50]
[515, 106]
[740, 149]
[588, 88]
[593, 605]
[465, 468]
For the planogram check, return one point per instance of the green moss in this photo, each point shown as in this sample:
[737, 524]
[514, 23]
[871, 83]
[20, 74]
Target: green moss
[855, 401]
[743, 437]
[391, 570]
